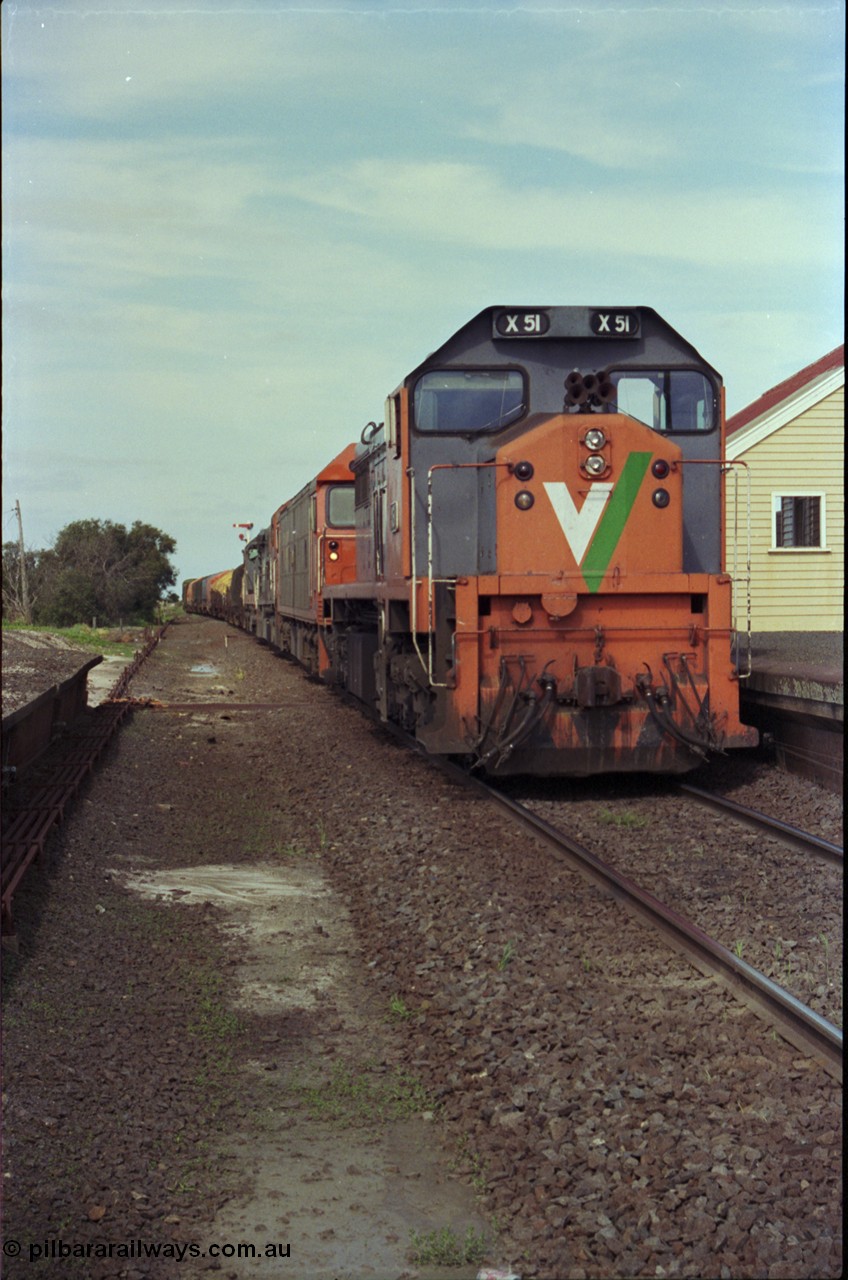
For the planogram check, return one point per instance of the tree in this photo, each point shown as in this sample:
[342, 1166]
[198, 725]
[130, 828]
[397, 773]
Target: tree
[100, 569]
[14, 604]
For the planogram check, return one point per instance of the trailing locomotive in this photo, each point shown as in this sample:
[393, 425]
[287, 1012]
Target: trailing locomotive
[538, 582]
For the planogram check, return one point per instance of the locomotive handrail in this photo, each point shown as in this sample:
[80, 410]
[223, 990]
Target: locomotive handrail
[438, 466]
[730, 465]
[410, 471]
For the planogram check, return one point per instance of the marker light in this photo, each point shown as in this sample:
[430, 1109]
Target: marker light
[523, 471]
[595, 464]
[524, 500]
[334, 550]
[660, 468]
[661, 497]
[594, 438]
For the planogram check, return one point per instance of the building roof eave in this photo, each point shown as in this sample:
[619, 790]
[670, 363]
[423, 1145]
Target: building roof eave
[744, 435]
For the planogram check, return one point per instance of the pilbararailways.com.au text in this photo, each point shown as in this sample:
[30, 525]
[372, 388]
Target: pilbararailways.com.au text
[178, 1250]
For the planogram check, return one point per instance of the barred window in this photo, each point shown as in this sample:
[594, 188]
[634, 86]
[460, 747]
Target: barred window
[798, 520]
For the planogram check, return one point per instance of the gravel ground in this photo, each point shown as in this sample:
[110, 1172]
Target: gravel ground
[32, 662]
[616, 1113]
[35, 660]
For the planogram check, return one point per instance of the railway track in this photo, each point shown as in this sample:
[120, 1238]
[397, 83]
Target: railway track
[802, 1026]
[791, 836]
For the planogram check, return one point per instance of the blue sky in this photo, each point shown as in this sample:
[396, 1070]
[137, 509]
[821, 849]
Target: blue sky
[231, 229]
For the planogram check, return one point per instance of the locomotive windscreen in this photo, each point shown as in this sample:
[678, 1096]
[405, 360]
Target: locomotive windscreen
[463, 400]
[340, 511]
[674, 400]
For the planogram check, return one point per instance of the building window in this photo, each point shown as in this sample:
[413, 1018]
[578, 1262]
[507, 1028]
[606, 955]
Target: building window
[798, 521]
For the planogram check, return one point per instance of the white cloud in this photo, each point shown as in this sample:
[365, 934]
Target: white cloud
[101, 65]
[469, 204]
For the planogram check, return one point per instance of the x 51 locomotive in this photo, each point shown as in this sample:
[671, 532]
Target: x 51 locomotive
[539, 582]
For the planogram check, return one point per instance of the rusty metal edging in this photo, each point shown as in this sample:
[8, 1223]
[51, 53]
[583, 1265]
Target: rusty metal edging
[28, 829]
[29, 731]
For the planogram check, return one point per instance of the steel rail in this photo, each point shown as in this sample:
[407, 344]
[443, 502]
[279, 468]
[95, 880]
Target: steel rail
[756, 821]
[800, 1025]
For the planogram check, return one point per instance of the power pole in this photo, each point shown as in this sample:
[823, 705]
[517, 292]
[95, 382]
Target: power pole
[22, 554]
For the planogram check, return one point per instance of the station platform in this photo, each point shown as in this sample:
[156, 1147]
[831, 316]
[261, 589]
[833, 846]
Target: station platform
[795, 694]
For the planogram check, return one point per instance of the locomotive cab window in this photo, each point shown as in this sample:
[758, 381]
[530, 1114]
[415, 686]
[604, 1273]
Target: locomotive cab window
[671, 401]
[462, 401]
[340, 513]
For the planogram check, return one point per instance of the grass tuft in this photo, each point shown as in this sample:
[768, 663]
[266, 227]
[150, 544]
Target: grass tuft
[442, 1247]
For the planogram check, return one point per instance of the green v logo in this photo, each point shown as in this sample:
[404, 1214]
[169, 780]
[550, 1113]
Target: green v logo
[599, 523]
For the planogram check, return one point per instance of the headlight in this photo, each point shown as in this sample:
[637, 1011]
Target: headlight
[595, 464]
[595, 438]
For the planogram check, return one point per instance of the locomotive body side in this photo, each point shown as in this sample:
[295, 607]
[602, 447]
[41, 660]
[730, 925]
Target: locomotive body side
[311, 545]
[253, 558]
[539, 580]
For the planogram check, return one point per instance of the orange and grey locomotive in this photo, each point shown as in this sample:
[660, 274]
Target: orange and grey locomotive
[539, 582]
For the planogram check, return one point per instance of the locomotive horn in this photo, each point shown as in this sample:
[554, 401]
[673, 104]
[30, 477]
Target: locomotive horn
[575, 390]
[605, 390]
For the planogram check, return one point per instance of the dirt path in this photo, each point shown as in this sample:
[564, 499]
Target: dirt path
[342, 1195]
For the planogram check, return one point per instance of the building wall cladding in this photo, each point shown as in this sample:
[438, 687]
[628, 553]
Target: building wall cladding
[793, 589]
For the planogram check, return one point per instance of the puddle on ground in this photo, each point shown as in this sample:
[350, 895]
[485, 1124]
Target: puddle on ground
[103, 678]
[343, 1200]
[252, 887]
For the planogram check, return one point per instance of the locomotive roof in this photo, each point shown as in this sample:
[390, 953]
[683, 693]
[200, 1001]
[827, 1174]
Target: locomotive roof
[335, 472]
[597, 337]
[339, 468]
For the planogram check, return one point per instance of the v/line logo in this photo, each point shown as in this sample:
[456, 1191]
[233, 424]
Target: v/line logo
[594, 531]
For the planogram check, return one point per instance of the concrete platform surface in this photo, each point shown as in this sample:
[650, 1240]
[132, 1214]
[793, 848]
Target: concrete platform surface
[814, 656]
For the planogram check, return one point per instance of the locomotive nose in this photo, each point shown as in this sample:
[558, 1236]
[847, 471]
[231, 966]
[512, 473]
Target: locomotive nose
[579, 502]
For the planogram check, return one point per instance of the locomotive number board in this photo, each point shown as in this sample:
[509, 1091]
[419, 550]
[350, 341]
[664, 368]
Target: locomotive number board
[564, 322]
